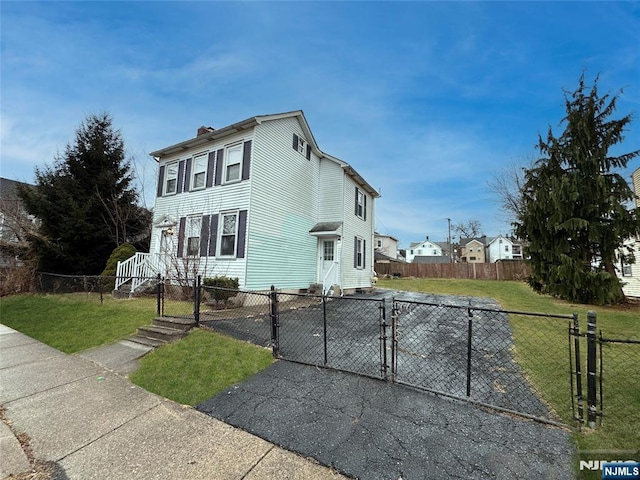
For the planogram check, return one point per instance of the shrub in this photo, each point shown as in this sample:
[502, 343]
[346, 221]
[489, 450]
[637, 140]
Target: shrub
[120, 254]
[219, 289]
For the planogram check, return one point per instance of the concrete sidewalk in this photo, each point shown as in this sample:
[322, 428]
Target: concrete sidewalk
[84, 420]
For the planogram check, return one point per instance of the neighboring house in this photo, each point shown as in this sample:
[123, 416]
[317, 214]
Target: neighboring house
[425, 248]
[258, 200]
[386, 246]
[15, 223]
[472, 250]
[630, 273]
[499, 248]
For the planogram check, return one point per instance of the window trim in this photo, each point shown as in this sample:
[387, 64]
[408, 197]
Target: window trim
[167, 178]
[204, 157]
[360, 204]
[225, 166]
[189, 234]
[360, 261]
[221, 235]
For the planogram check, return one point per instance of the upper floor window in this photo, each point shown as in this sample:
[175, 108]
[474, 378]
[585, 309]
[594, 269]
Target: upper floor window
[233, 163]
[361, 204]
[506, 248]
[199, 174]
[171, 179]
[301, 146]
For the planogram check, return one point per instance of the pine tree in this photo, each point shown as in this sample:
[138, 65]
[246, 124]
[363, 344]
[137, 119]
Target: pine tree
[85, 203]
[574, 216]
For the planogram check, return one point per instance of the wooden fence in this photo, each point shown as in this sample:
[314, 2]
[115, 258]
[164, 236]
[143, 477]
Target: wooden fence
[511, 270]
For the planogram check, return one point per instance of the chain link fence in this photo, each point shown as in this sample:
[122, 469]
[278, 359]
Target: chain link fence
[335, 332]
[537, 365]
[509, 360]
[240, 314]
[93, 288]
[619, 385]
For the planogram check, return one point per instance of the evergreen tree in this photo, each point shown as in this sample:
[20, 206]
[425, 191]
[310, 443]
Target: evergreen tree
[85, 203]
[574, 213]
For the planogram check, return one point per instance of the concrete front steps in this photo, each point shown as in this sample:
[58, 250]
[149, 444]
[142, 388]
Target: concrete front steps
[163, 330]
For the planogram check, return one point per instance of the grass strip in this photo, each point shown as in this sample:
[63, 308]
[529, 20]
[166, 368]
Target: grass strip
[199, 366]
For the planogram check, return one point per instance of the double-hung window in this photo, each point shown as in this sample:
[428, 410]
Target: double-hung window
[171, 179]
[192, 235]
[229, 234]
[233, 163]
[199, 173]
[361, 204]
[359, 253]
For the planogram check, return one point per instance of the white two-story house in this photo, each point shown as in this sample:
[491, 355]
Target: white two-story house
[500, 248]
[258, 200]
[425, 248]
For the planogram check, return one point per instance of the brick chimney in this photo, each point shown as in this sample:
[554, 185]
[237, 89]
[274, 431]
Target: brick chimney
[202, 130]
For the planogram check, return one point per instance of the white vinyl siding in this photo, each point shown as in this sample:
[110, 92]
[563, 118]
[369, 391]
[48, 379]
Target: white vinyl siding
[356, 277]
[210, 201]
[280, 249]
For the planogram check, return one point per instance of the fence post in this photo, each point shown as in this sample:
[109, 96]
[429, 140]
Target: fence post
[273, 303]
[576, 340]
[383, 339]
[591, 368]
[196, 299]
[469, 338]
[324, 327]
[394, 338]
[159, 295]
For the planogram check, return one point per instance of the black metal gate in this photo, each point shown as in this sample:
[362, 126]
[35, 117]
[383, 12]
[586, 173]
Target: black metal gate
[471, 353]
[344, 333]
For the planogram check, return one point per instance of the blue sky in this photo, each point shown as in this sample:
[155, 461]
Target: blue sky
[426, 100]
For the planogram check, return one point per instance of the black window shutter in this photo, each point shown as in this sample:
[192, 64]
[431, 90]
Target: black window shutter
[295, 142]
[246, 160]
[308, 152]
[183, 223]
[210, 168]
[365, 206]
[364, 254]
[187, 176]
[180, 176]
[204, 236]
[160, 181]
[219, 167]
[213, 234]
[242, 233]
[356, 201]
[355, 252]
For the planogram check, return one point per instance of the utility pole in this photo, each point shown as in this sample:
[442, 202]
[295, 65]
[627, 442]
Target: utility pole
[450, 252]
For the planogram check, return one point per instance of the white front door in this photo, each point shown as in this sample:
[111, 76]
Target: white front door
[329, 271]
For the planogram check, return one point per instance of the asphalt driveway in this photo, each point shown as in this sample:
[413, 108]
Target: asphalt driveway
[431, 350]
[370, 429]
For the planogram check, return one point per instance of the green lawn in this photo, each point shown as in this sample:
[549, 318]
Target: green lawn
[541, 349]
[190, 371]
[199, 366]
[74, 322]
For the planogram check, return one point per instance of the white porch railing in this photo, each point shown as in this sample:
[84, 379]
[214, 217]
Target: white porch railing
[138, 269]
[325, 287]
